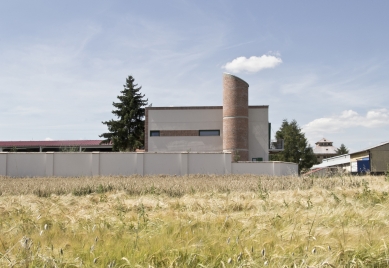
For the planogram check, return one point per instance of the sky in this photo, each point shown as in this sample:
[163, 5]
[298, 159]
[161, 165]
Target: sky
[324, 64]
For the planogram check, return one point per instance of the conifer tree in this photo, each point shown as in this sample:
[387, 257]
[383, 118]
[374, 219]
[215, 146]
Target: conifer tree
[127, 132]
[296, 147]
[342, 150]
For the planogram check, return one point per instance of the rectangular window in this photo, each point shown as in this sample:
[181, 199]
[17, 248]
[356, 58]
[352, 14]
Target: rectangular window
[154, 133]
[257, 159]
[209, 132]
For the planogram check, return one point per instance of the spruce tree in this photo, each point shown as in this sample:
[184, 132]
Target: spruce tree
[127, 132]
[296, 147]
[342, 150]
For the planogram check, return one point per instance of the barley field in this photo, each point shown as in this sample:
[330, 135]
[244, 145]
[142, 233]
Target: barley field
[194, 221]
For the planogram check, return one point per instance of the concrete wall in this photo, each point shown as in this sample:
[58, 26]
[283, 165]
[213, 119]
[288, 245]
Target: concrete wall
[265, 168]
[202, 119]
[259, 133]
[104, 164]
[120, 164]
[24, 164]
[185, 119]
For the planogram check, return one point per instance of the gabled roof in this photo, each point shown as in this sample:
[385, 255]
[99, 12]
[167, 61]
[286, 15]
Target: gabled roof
[52, 143]
[323, 140]
[367, 149]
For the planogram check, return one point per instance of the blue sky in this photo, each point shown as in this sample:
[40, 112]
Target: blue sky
[323, 63]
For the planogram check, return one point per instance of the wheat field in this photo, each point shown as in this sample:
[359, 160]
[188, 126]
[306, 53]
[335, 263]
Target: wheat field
[194, 221]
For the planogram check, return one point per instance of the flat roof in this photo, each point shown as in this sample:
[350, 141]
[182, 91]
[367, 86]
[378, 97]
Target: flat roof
[333, 161]
[57, 143]
[199, 107]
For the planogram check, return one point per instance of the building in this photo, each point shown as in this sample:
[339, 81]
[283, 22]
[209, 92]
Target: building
[54, 146]
[234, 127]
[229, 139]
[324, 149]
[331, 165]
[373, 159]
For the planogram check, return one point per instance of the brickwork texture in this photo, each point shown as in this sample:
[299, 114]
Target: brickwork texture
[235, 116]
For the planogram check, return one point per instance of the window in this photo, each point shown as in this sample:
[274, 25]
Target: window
[209, 132]
[257, 159]
[154, 133]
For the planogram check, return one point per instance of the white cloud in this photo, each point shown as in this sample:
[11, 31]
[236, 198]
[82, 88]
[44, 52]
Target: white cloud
[348, 119]
[253, 64]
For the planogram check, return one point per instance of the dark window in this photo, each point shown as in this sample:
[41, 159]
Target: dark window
[154, 133]
[257, 159]
[209, 132]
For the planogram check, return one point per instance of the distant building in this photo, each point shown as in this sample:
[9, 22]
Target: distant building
[374, 159]
[332, 165]
[235, 127]
[324, 149]
[55, 146]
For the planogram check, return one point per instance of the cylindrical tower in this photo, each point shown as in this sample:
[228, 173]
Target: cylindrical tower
[235, 117]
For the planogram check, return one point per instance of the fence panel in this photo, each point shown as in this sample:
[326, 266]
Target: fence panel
[163, 163]
[207, 163]
[26, 164]
[72, 164]
[118, 164]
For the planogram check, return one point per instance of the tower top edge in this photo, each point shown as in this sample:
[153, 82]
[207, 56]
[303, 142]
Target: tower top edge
[228, 74]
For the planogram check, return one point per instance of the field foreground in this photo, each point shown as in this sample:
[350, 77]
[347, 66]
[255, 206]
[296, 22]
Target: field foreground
[194, 221]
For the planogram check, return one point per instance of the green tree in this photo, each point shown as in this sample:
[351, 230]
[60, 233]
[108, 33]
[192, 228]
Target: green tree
[342, 150]
[296, 147]
[127, 132]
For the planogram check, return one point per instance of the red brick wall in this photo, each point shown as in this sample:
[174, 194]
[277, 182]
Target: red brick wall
[178, 133]
[235, 116]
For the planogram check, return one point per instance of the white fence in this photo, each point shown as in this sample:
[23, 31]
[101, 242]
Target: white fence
[104, 164]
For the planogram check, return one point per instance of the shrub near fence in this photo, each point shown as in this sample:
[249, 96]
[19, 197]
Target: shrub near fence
[70, 164]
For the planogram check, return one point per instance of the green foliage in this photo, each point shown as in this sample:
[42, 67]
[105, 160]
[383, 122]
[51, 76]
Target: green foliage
[262, 191]
[127, 133]
[296, 147]
[387, 173]
[369, 196]
[71, 149]
[342, 150]
[236, 156]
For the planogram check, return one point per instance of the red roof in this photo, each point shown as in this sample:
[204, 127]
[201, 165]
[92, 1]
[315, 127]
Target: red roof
[51, 143]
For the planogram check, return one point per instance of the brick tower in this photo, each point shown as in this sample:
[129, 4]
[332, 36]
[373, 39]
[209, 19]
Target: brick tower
[235, 117]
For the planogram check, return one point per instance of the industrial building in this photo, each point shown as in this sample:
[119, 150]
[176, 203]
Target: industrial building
[234, 127]
[374, 160]
[55, 146]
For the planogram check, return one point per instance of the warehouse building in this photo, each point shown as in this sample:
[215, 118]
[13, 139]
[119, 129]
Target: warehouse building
[374, 159]
[55, 146]
[235, 127]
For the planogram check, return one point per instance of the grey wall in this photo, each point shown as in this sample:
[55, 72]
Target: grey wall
[103, 164]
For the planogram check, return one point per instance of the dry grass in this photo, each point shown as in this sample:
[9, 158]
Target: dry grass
[195, 221]
[174, 186]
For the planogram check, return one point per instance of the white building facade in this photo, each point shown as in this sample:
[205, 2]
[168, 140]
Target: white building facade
[234, 127]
